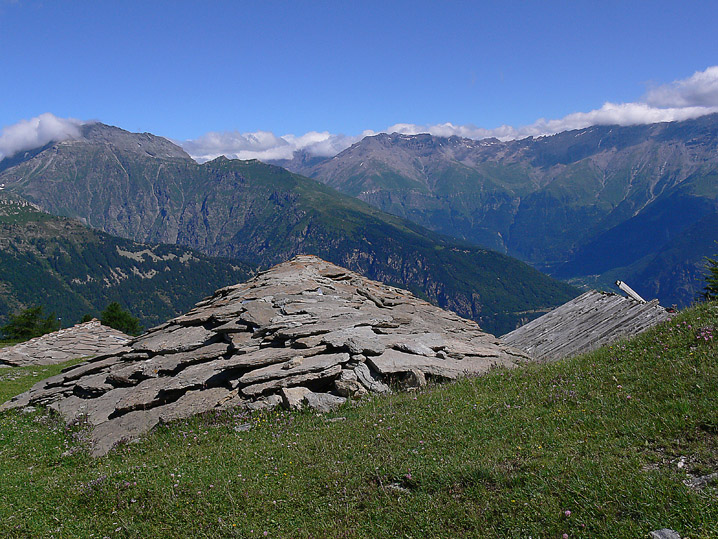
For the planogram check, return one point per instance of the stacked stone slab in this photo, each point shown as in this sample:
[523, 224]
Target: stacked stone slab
[82, 340]
[304, 333]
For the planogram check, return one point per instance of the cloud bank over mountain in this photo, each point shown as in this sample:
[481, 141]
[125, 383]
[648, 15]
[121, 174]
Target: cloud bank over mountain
[36, 132]
[679, 100]
[264, 145]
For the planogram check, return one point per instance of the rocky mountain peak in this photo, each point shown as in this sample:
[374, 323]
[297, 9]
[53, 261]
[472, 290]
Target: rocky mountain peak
[140, 143]
[305, 332]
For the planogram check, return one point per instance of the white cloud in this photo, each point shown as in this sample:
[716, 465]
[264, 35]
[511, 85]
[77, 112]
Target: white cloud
[680, 100]
[699, 90]
[36, 132]
[264, 145]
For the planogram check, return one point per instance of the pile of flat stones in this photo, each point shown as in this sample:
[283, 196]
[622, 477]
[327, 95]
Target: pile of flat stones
[304, 333]
[81, 340]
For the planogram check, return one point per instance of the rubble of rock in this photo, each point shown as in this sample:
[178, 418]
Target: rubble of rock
[82, 340]
[304, 333]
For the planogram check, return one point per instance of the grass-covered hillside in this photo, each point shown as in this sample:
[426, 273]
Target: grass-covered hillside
[602, 445]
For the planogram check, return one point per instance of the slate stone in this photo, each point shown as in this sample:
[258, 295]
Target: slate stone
[291, 334]
[310, 364]
[293, 397]
[270, 402]
[289, 381]
[258, 313]
[122, 429]
[180, 339]
[394, 361]
[357, 340]
[143, 395]
[82, 340]
[665, 533]
[271, 355]
[194, 402]
[349, 388]
[323, 402]
[92, 386]
[365, 377]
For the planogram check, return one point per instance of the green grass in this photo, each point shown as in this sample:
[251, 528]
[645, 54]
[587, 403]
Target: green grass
[15, 380]
[504, 455]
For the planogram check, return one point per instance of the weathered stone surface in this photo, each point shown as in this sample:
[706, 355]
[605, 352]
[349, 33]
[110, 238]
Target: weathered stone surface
[366, 379]
[293, 397]
[394, 361]
[413, 379]
[194, 402]
[92, 386]
[271, 355]
[347, 385]
[258, 313]
[665, 533]
[122, 429]
[82, 340]
[264, 387]
[357, 340]
[310, 364]
[303, 333]
[171, 363]
[323, 402]
[175, 339]
[270, 402]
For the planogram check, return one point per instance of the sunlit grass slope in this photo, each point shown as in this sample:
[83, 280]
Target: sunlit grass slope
[596, 446]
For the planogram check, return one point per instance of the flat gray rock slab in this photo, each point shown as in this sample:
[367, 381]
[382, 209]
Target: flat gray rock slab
[298, 379]
[83, 340]
[357, 340]
[323, 402]
[306, 333]
[665, 533]
[179, 339]
[293, 397]
[368, 380]
[195, 402]
[309, 364]
[394, 361]
[122, 429]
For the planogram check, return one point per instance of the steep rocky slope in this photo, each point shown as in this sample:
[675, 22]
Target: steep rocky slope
[73, 270]
[139, 187]
[580, 204]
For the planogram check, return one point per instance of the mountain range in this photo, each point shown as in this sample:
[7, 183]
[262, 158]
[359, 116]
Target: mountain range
[637, 203]
[73, 270]
[144, 188]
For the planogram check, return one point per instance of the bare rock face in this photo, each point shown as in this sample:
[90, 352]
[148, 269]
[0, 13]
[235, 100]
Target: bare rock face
[304, 333]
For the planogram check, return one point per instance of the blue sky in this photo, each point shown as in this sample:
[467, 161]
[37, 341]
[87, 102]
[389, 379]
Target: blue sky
[183, 69]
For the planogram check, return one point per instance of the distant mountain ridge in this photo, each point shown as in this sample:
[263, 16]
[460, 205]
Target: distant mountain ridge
[587, 204]
[144, 188]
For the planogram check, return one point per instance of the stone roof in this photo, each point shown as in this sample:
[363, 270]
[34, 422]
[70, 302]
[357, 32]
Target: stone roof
[305, 332]
[82, 340]
[592, 320]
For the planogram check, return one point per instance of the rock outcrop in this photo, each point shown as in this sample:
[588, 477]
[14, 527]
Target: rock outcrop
[304, 333]
[592, 320]
[82, 340]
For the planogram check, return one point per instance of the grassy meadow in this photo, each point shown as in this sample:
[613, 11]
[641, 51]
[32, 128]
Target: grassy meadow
[601, 445]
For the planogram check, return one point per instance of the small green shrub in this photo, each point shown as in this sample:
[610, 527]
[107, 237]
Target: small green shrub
[116, 317]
